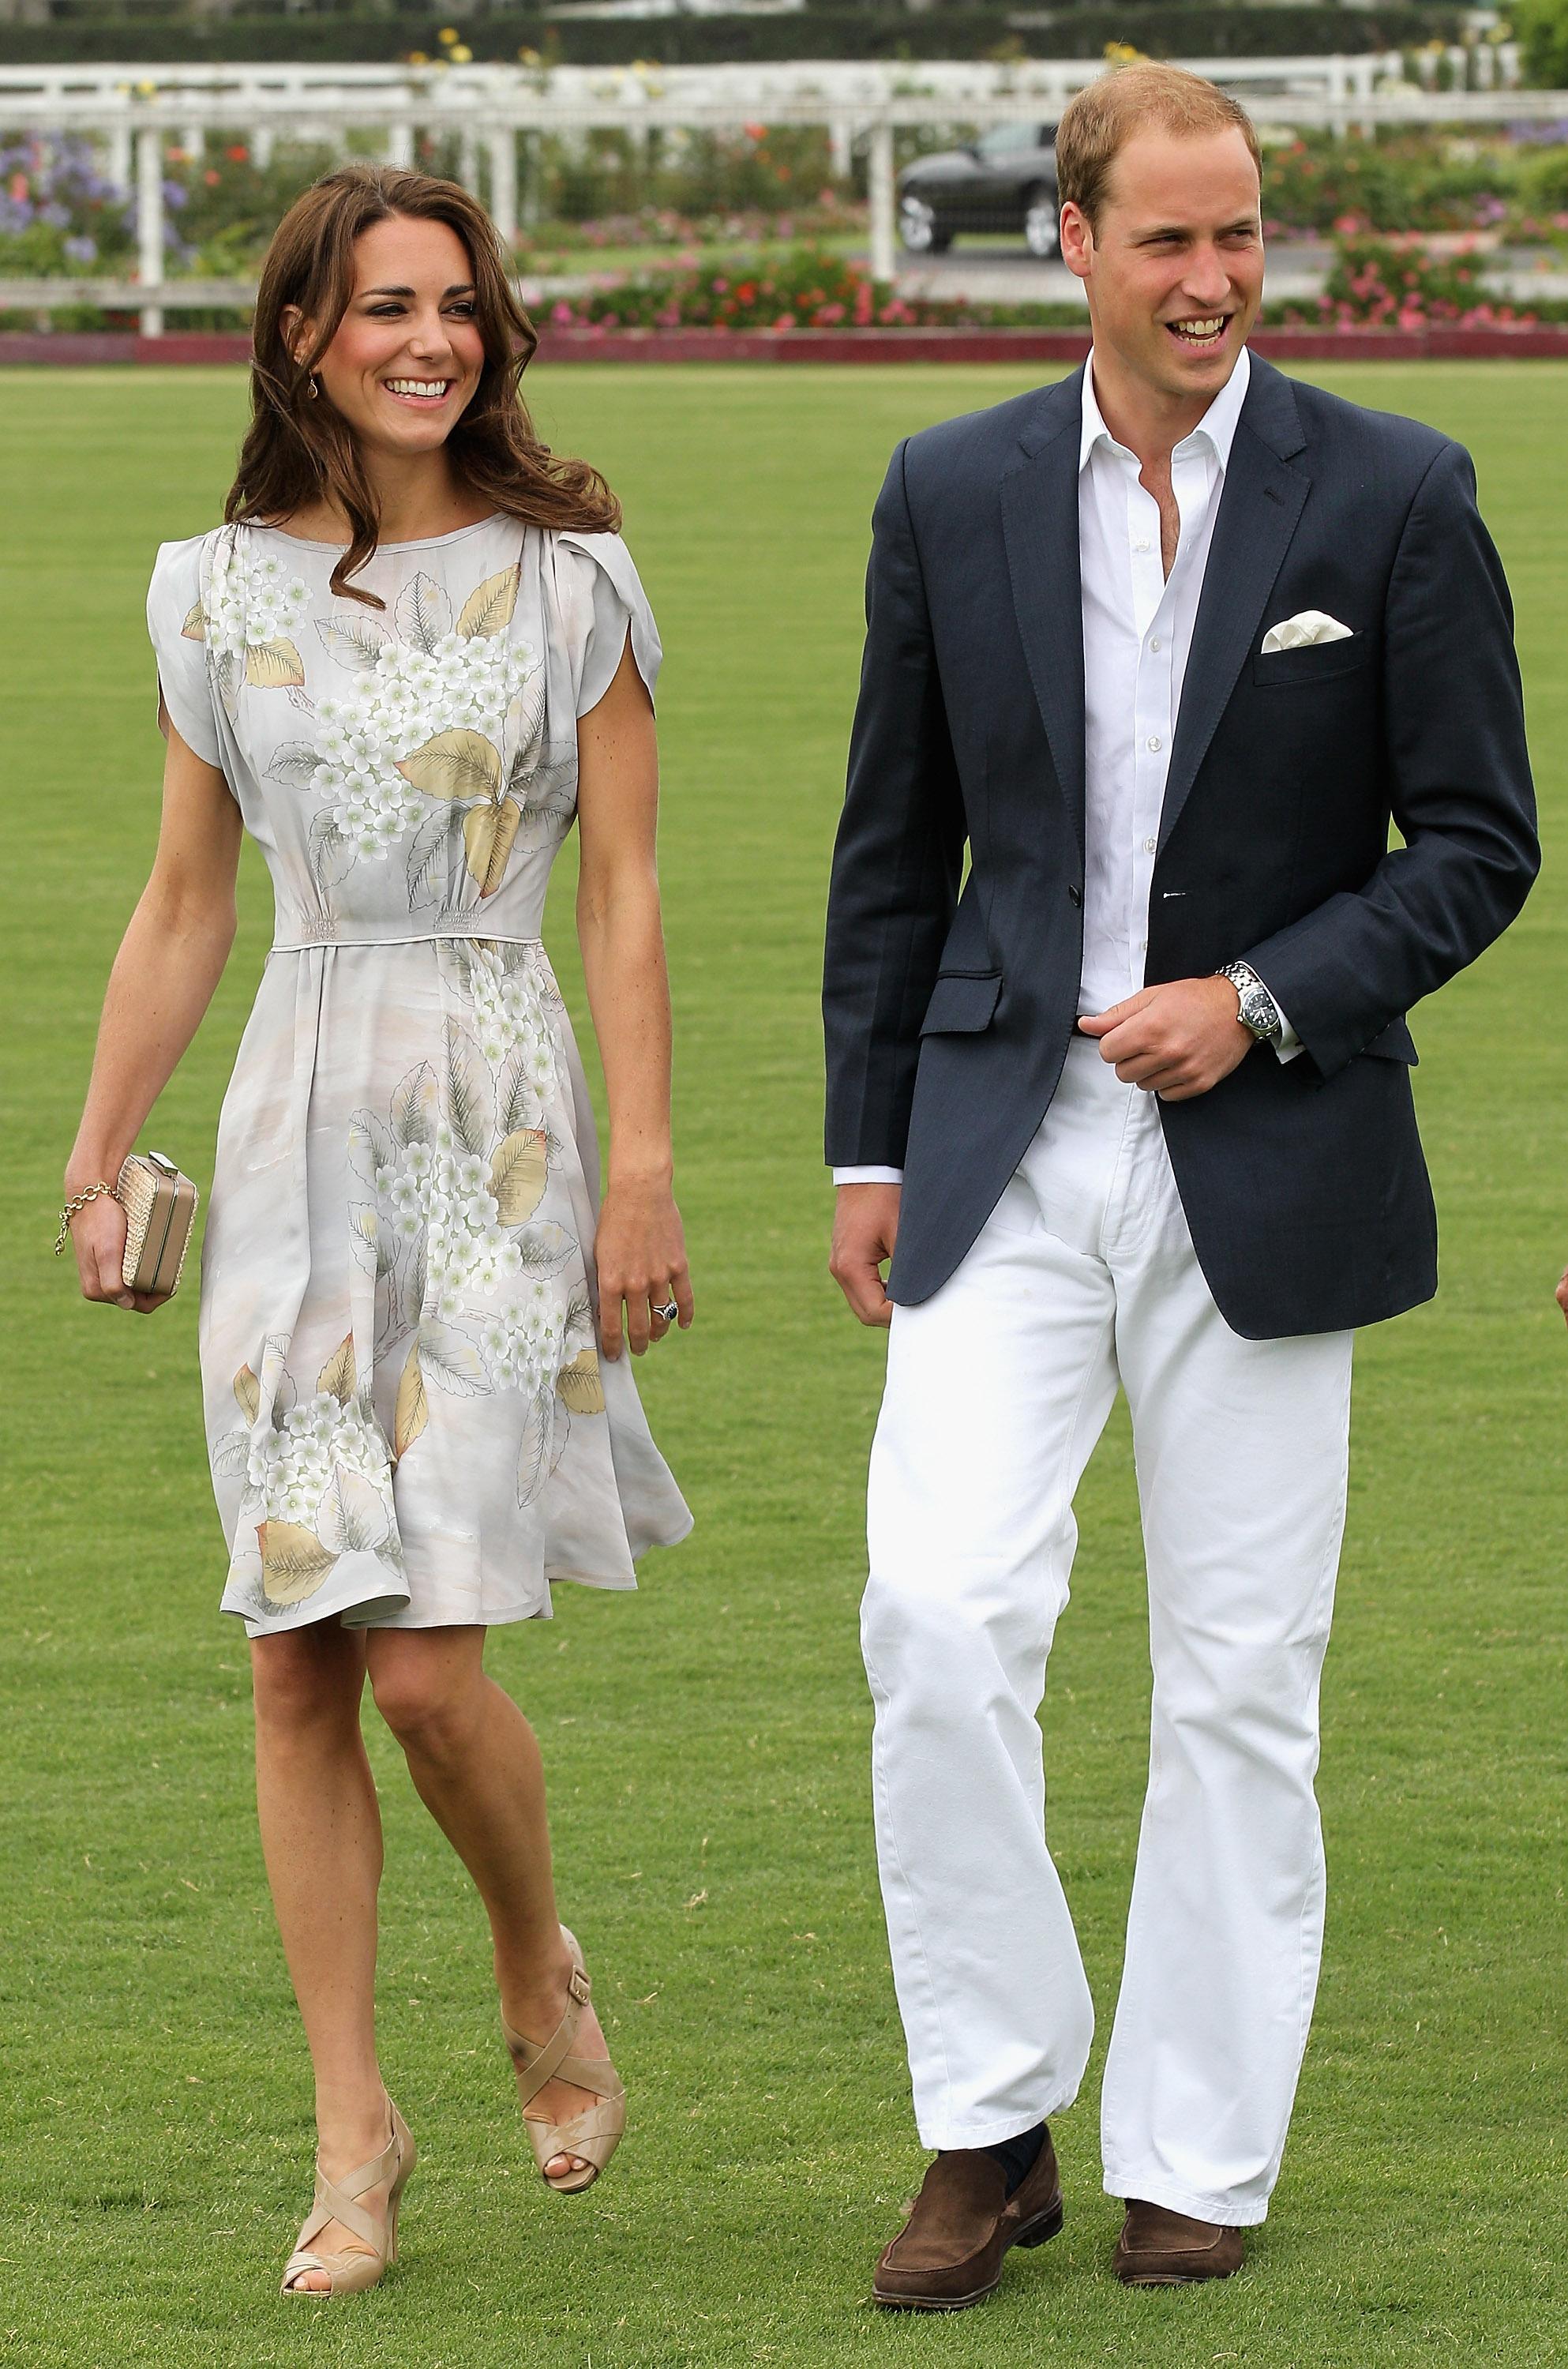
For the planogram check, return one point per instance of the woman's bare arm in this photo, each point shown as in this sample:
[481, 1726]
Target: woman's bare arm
[170, 960]
[641, 1250]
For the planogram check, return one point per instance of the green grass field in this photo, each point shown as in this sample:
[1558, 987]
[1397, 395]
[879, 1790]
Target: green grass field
[706, 1740]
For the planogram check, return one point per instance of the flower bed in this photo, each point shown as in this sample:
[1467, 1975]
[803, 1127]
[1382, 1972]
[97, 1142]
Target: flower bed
[1384, 283]
[804, 288]
[1515, 181]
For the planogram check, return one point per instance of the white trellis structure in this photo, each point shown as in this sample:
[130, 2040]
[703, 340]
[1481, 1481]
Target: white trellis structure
[134, 114]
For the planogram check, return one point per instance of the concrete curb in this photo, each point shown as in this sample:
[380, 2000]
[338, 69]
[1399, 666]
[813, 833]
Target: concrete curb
[79, 346]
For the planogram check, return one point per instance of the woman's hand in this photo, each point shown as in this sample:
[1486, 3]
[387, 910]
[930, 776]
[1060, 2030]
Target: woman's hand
[640, 1251]
[98, 1237]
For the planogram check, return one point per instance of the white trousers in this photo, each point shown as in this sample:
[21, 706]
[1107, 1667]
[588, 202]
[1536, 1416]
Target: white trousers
[997, 1388]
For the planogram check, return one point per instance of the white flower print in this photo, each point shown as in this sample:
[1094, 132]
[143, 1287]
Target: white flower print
[292, 1466]
[402, 703]
[251, 601]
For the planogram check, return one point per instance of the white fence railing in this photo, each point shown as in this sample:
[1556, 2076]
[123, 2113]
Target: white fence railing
[134, 113]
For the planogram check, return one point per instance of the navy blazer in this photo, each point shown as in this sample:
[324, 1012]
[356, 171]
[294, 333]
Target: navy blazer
[949, 1000]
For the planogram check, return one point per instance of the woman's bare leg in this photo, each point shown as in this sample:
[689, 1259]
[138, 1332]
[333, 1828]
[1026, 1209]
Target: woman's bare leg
[475, 1762]
[321, 1840]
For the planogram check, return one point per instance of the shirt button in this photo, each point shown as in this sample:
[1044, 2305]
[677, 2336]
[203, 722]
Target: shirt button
[1155, 643]
[1149, 845]
[1140, 546]
[1154, 741]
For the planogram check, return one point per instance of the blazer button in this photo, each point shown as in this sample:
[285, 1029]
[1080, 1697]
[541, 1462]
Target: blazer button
[1075, 895]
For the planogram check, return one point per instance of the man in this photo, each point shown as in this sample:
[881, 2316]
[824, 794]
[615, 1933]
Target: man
[1166, 644]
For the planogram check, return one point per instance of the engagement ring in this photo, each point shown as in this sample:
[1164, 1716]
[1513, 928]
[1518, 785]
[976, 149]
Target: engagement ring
[670, 1311]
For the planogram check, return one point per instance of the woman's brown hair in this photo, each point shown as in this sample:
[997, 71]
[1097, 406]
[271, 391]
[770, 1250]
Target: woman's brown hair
[299, 448]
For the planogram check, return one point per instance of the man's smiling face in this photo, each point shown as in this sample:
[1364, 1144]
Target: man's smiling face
[1173, 265]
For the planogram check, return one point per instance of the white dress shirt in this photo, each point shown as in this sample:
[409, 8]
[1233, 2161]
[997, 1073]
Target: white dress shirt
[1138, 632]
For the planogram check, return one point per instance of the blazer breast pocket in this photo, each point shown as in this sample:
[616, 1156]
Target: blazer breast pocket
[962, 1002]
[1318, 662]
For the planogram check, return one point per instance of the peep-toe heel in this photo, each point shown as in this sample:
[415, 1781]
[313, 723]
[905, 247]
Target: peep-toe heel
[351, 2271]
[596, 2133]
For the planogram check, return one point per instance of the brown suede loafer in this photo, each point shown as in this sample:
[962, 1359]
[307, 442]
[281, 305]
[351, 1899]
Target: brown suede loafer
[1161, 2249]
[949, 2252]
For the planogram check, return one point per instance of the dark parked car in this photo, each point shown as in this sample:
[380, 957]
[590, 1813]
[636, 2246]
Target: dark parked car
[1006, 180]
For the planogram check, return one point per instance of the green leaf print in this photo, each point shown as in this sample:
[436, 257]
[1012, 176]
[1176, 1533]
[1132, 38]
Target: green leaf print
[468, 1103]
[294, 764]
[538, 1438]
[331, 854]
[428, 859]
[545, 1249]
[423, 612]
[364, 1235]
[416, 1107]
[450, 1359]
[355, 642]
[353, 1517]
[369, 1147]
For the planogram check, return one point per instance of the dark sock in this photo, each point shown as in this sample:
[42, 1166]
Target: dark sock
[1018, 2157]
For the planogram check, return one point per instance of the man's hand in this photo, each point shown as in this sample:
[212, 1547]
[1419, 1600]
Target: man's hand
[1176, 1041]
[866, 1227]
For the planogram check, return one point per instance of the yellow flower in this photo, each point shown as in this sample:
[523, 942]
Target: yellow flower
[462, 55]
[448, 33]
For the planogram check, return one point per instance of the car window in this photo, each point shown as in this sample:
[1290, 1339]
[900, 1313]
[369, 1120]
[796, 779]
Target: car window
[1005, 139]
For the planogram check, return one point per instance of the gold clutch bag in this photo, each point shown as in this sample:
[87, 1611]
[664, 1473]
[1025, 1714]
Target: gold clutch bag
[160, 1208]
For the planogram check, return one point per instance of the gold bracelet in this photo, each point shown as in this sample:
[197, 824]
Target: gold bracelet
[79, 1202]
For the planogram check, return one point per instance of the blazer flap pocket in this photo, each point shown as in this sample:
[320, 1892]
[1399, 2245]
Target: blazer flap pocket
[1315, 662]
[962, 1002]
[1394, 1042]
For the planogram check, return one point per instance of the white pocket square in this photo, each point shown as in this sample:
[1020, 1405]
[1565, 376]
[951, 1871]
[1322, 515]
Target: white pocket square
[1299, 632]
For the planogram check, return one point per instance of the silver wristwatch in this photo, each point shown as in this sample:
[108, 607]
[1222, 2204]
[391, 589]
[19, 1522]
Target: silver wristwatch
[1259, 1011]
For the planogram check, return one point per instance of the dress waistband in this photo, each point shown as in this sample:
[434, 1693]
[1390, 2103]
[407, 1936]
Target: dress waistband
[350, 937]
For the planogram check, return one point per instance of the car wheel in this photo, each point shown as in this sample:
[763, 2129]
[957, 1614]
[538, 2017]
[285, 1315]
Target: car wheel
[919, 230]
[1042, 224]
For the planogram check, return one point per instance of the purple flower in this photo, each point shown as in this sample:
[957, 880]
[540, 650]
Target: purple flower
[81, 250]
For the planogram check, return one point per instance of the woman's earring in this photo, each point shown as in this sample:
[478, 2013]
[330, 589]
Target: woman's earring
[314, 389]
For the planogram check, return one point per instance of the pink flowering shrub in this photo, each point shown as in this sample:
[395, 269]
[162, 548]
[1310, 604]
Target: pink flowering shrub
[1390, 284]
[802, 289]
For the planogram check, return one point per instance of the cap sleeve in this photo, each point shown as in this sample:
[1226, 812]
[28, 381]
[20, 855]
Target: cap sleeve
[602, 600]
[179, 635]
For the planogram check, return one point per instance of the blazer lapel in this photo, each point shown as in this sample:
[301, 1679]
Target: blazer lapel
[1259, 506]
[1040, 516]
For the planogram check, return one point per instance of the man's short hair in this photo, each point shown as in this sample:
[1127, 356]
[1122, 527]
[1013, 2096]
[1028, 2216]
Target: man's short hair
[1098, 122]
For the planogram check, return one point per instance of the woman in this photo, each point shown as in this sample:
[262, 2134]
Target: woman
[416, 647]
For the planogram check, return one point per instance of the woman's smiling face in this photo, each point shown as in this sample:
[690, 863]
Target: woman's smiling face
[407, 354]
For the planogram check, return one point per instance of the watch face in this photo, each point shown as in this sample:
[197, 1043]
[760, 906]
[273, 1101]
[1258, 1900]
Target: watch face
[1258, 1011]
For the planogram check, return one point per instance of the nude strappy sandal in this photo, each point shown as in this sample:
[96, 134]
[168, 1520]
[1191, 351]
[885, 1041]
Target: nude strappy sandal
[352, 2272]
[595, 2134]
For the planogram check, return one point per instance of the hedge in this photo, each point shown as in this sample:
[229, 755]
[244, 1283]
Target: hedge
[1179, 29]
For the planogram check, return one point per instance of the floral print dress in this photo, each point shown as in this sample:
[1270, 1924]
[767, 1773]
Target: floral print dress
[407, 1418]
